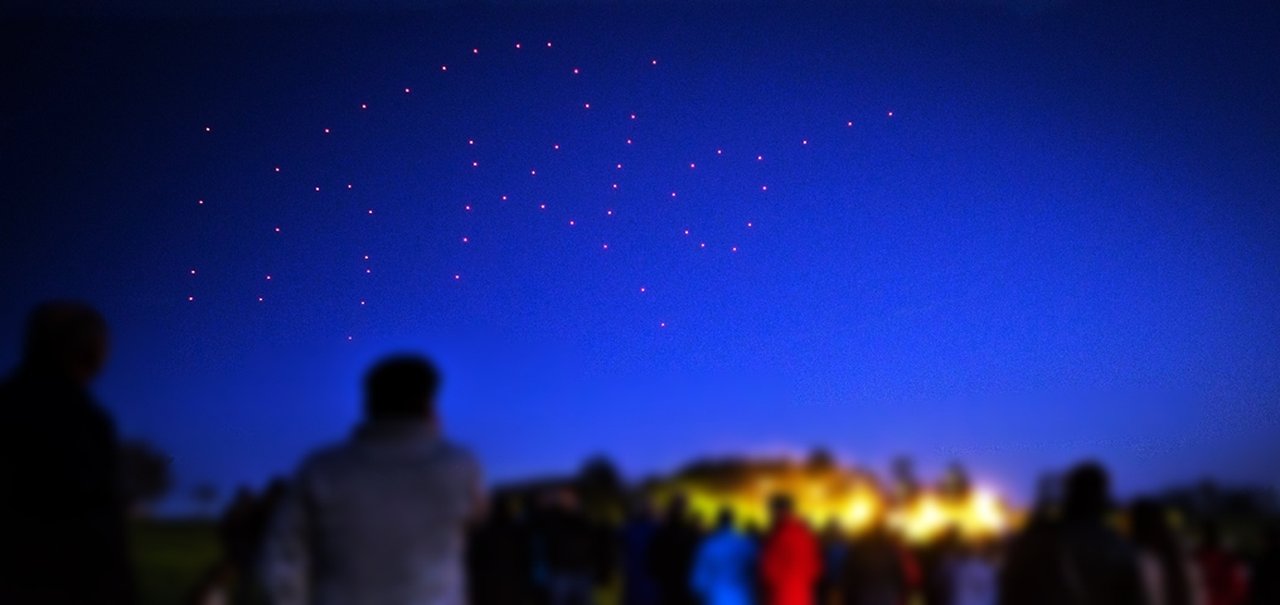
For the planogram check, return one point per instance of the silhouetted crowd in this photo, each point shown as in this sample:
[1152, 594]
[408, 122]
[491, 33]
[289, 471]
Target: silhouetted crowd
[1068, 553]
[396, 515]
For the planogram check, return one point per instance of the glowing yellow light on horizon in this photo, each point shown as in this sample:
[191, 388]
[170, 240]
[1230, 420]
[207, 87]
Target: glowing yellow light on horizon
[851, 503]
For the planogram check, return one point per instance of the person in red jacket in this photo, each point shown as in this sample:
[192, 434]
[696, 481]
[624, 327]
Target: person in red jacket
[790, 563]
[1224, 576]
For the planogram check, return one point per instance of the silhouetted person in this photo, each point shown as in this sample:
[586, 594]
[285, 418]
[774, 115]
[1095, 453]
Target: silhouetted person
[1265, 587]
[971, 572]
[381, 518]
[500, 554]
[934, 560]
[724, 566]
[232, 578]
[62, 516]
[637, 535]
[1222, 573]
[1079, 560]
[571, 551]
[873, 572]
[1165, 566]
[237, 533]
[790, 561]
[670, 556]
[835, 547]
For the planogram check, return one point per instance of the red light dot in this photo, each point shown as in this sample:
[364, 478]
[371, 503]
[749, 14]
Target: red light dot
[572, 222]
[259, 299]
[193, 271]
[849, 123]
[199, 202]
[662, 324]
[702, 245]
[471, 141]
[556, 147]
[364, 106]
[633, 116]
[759, 158]
[268, 278]
[628, 141]
[517, 45]
[504, 198]
[317, 188]
[691, 165]
[208, 129]
[586, 106]
[466, 240]
[277, 169]
[533, 172]
[891, 114]
[444, 68]
[191, 299]
[467, 208]
[686, 232]
[653, 62]
[542, 206]
[615, 185]
[619, 166]
[475, 51]
[642, 289]
[673, 194]
[750, 225]
[605, 246]
[407, 91]
[348, 185]
[764, 187]
[277, 230]
[475, 164]
[456, 277]
[804, 142]
[576, 71]
[548, 45]
[719, 152]
[370, 212]
[608, 212]
[733, 249]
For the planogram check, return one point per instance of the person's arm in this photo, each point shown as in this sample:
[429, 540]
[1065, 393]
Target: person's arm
[286, 559]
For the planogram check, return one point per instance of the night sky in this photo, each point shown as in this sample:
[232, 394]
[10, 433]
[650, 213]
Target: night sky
[1011, 234]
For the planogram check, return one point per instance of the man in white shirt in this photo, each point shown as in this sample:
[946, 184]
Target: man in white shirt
[379, 519]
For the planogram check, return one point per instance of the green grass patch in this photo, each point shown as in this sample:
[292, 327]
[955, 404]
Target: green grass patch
[171, 558]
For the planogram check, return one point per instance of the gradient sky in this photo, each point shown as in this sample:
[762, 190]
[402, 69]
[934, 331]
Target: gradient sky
[1050, 232]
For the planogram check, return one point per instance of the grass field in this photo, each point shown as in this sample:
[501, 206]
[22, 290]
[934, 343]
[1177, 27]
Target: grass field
[171, 557]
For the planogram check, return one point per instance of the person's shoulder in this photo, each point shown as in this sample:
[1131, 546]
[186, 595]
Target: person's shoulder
[456, 453]
[324, 457]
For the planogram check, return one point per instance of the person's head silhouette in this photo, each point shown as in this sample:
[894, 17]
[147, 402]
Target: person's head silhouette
[725, 519]
[67, 340]
[677, 510]
[782, 507]
[1086, 492]
[402, 388]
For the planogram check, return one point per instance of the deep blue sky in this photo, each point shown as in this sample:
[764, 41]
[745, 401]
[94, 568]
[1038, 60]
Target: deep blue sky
[1064, 242]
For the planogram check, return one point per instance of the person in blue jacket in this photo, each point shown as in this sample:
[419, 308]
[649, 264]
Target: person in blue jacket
[724, 564]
